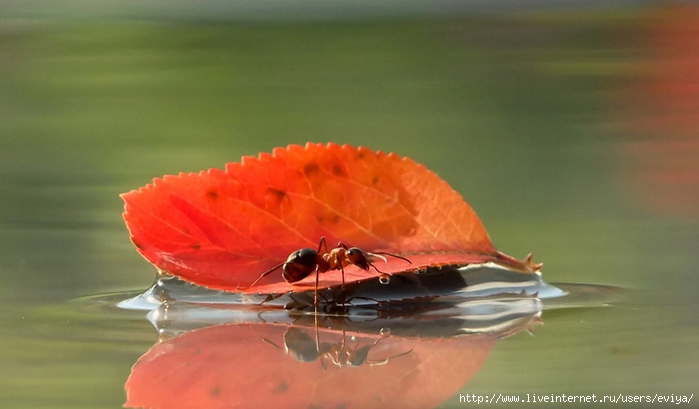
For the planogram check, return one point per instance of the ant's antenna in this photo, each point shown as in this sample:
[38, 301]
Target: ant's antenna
[382, 255]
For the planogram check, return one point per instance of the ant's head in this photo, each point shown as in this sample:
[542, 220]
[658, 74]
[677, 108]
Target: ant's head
[357, 257]
[299, 265]
[359, 355]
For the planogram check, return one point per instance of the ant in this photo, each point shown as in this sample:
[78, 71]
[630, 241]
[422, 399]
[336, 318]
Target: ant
[301, 347]
[301, 263]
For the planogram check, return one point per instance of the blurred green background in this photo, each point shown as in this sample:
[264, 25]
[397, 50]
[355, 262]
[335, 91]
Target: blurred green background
[559, 125]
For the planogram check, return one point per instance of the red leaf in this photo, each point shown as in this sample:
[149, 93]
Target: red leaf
[246, 365]
[222, 229]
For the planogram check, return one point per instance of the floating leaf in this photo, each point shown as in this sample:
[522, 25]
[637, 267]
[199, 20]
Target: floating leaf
[222, 228]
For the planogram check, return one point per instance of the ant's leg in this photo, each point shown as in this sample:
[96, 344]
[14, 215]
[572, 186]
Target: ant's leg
[377, 269]
[315, 293]
[322, 246]
[264, 274]
[315, 324]
[342, 269]
[271, 297]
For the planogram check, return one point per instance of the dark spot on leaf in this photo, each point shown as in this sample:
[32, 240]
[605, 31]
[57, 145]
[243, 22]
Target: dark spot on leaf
[333, 218]
[196, 246]
[337, 171]
[276, 193]
[374, 180]
[311, 169]
[212, 194]
[215, 392]
[281, 388]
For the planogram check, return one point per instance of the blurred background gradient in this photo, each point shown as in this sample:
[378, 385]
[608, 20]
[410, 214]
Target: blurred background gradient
[570, 127]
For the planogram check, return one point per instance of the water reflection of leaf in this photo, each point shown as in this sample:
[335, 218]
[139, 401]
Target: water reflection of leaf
[414, 359]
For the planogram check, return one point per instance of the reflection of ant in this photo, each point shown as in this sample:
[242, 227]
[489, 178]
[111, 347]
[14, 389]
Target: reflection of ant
[301, 263]
[299, 345]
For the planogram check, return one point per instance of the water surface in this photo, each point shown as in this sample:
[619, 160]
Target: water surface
[573, 135]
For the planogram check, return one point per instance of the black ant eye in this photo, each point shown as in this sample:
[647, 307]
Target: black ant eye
[355, 252]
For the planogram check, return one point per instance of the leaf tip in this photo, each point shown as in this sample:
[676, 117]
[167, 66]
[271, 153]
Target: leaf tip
[531, 265]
